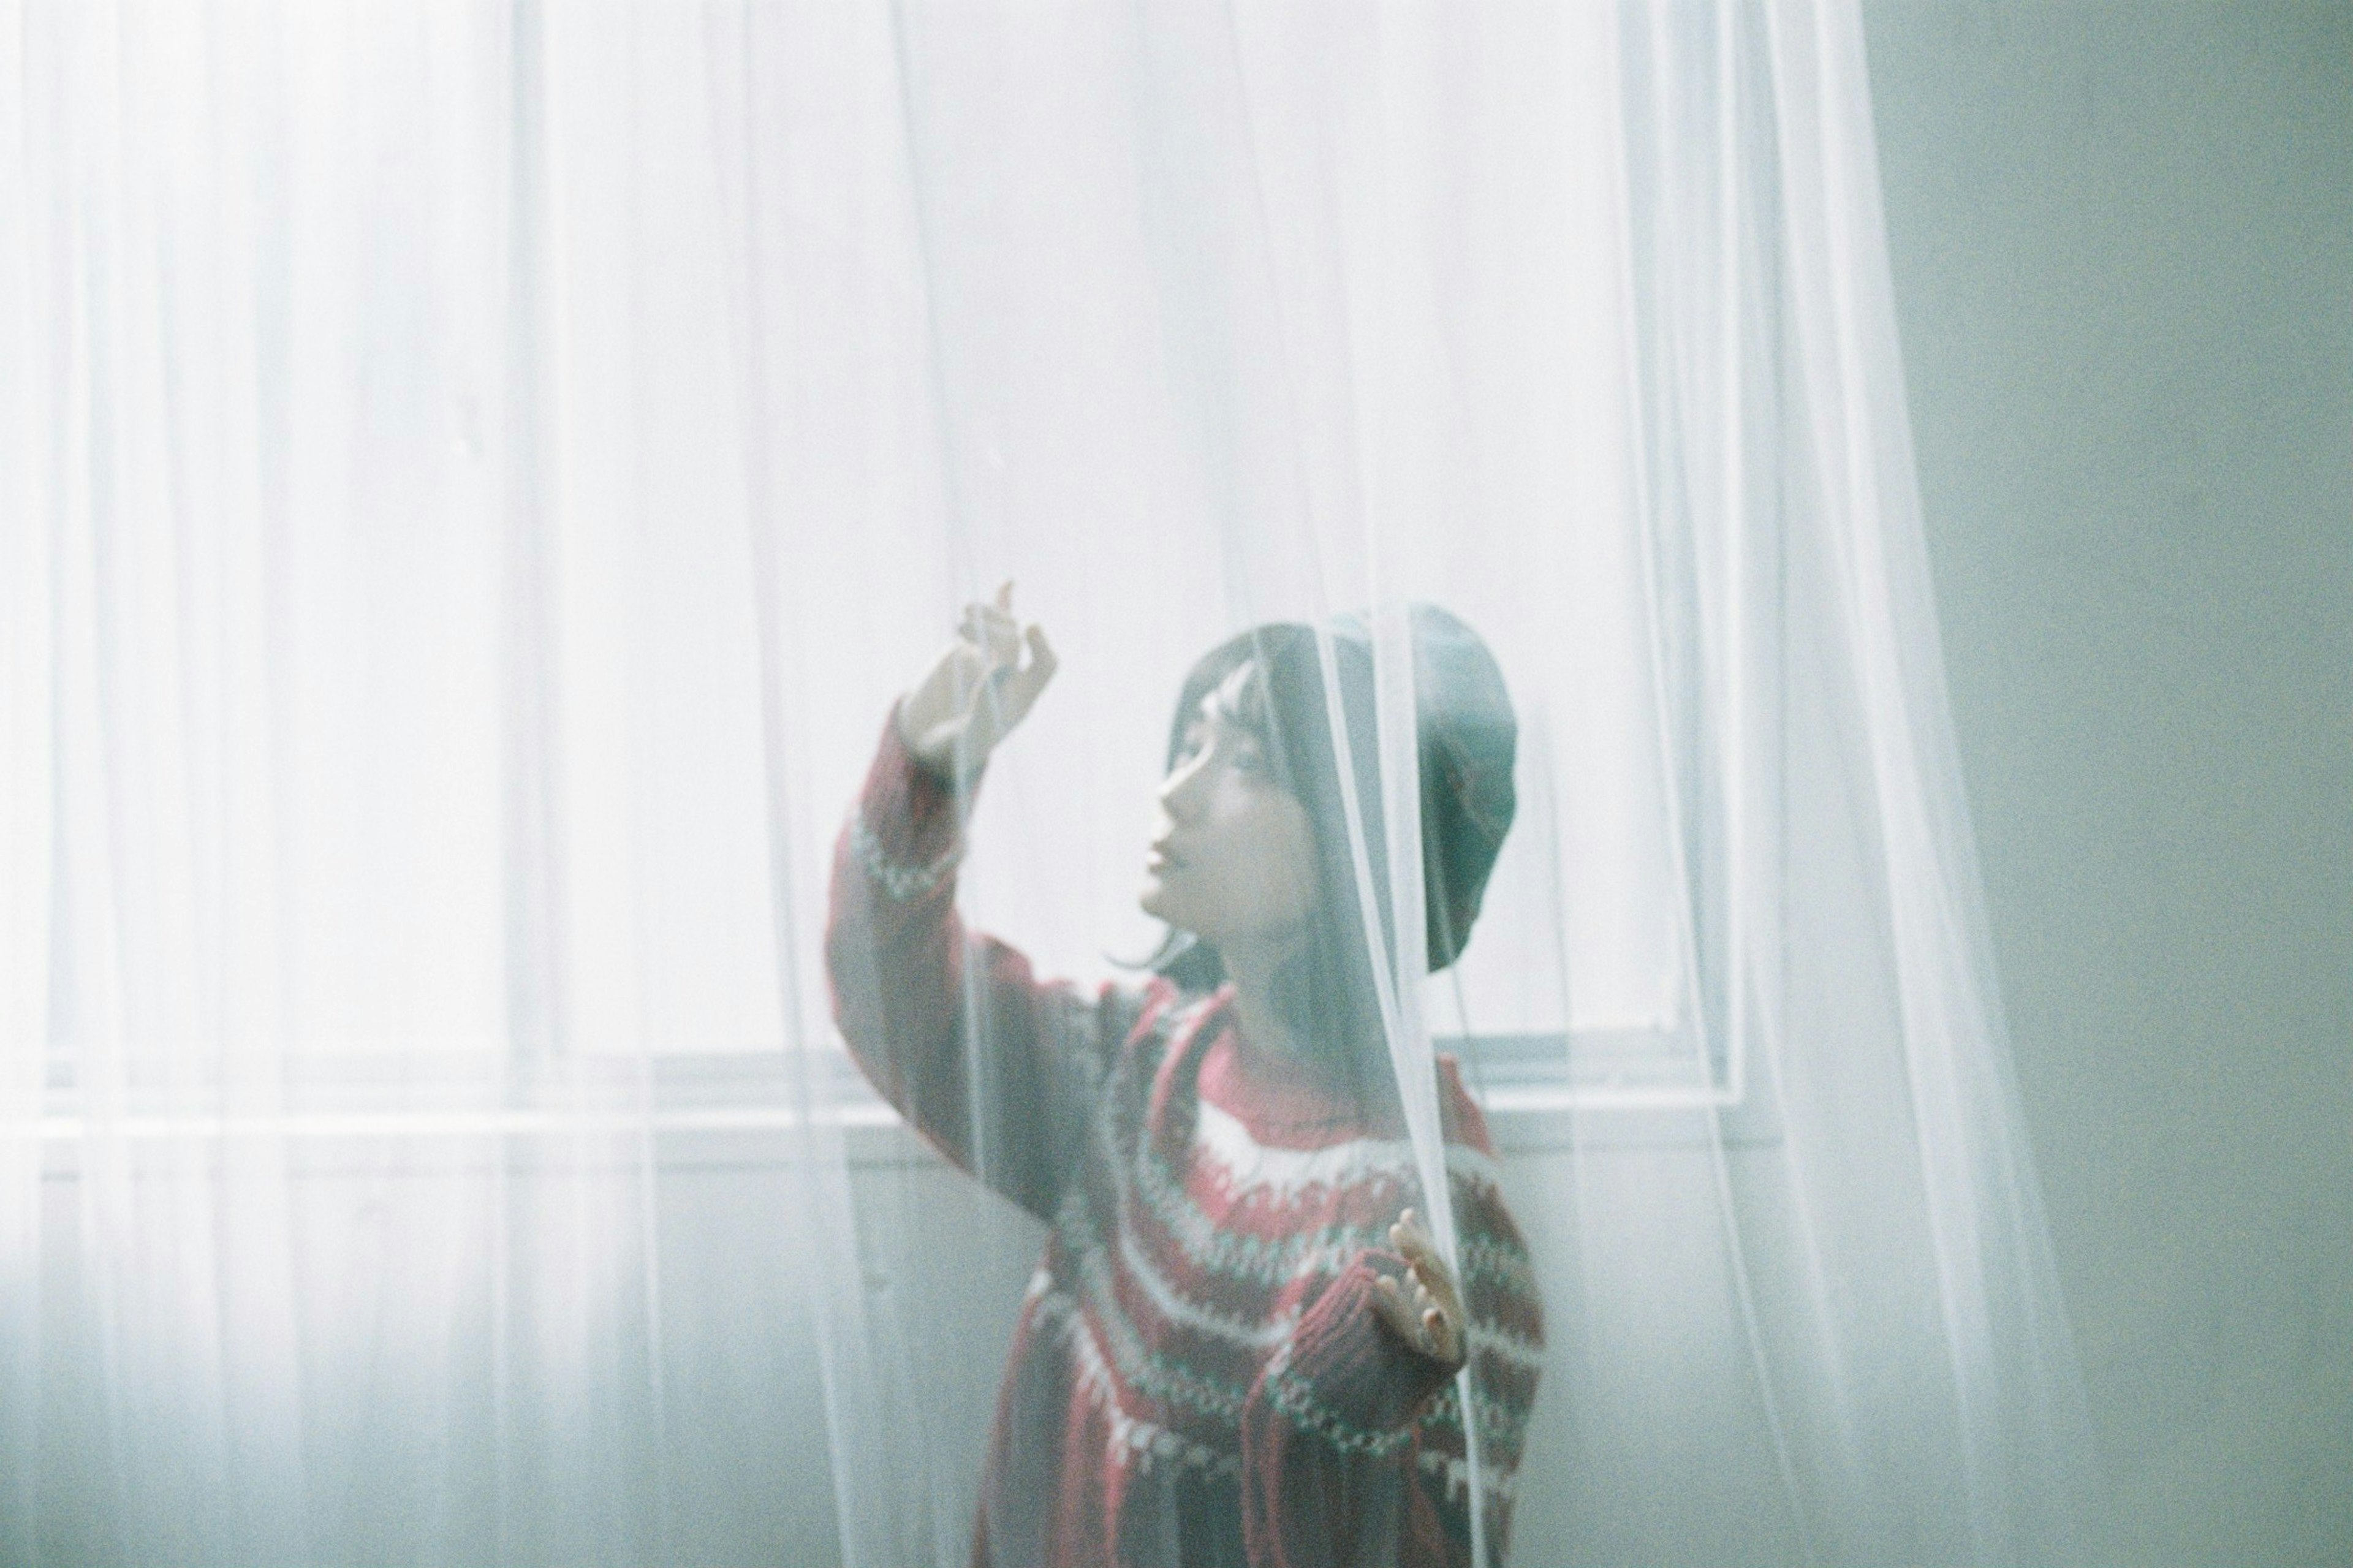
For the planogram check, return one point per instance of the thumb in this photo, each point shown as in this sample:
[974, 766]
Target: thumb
[1032, 679]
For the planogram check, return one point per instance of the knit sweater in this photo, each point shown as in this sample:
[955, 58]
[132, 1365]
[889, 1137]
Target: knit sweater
[1199, 1375]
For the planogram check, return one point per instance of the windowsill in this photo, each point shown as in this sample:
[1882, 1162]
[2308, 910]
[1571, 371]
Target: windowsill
[726, 1110]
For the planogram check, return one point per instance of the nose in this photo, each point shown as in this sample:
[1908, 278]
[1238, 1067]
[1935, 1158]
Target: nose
[1176, 791]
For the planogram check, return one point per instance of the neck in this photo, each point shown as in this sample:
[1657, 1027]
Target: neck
[1252, 964]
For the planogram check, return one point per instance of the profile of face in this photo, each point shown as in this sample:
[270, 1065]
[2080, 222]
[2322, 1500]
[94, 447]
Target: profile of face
[1232, 858]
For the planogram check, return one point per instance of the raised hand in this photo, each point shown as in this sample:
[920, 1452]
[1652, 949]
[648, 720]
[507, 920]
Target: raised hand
[977, 689]
[1431, 1318]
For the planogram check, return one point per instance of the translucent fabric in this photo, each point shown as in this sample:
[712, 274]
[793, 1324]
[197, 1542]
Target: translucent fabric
[479, 479]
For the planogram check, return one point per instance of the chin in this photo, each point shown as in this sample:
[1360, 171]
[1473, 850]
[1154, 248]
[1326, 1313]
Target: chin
[1154, 900]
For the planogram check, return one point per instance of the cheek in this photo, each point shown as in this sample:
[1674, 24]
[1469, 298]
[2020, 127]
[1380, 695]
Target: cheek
[1279, 857]
[1250, 867]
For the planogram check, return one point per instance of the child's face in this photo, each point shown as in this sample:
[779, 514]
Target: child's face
[1233, 853]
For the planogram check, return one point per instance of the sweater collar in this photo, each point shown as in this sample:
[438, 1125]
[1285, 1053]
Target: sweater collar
[1299, 1104]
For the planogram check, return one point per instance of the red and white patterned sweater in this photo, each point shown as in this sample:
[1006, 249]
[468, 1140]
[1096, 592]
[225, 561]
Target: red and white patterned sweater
[1198, 1376]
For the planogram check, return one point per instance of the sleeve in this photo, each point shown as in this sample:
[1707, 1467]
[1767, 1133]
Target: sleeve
[996, 1070]
[1330, 1439]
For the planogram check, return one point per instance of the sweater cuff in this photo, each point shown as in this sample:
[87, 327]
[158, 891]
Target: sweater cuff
[908, 836]
[1347, 1377]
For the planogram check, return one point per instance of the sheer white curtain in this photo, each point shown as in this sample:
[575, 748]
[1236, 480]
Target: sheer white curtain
[383, 803]
[475, 478]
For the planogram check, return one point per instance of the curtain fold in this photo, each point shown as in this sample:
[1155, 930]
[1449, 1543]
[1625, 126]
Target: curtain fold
[473, 482]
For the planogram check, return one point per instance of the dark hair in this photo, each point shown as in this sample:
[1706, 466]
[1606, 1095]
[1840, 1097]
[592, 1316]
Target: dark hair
[1467, 738]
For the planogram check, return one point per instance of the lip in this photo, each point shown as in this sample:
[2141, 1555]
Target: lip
[1160, 857]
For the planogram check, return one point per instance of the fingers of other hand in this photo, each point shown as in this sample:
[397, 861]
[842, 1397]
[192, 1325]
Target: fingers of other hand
[1388, 1299]
[1420, 1253]
[1408, 1237]
[1419, 1322]
[1390, 1302]
[1437, 1305]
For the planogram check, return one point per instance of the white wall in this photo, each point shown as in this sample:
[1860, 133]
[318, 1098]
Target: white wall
[2123, 249]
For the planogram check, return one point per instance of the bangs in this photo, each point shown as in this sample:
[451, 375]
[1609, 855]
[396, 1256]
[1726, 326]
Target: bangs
[1241, 699]
[1276, 655]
